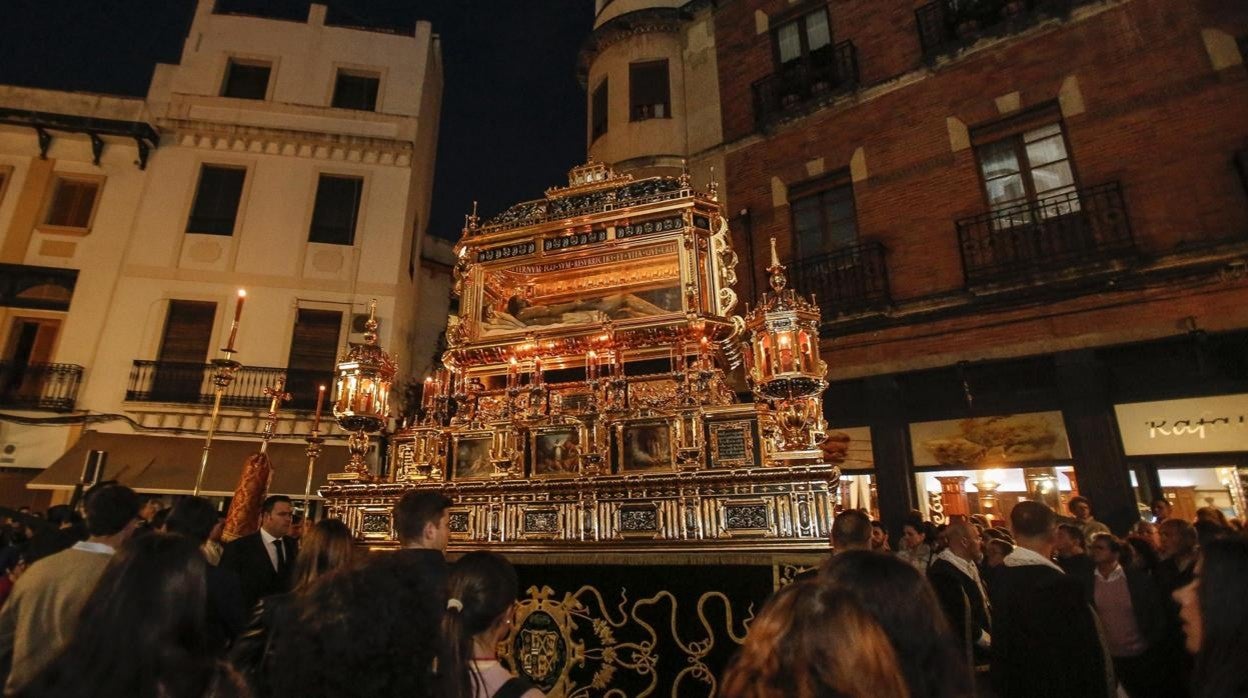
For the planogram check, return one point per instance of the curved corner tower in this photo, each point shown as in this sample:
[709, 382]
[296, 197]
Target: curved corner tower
[651, 81]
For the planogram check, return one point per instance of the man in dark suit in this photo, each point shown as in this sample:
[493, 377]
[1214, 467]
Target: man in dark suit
[1045, 639]
[954, 575]
[263, 560]
[195, 517]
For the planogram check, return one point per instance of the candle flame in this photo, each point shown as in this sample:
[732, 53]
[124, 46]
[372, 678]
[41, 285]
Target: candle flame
[593, 354]
[242, 293]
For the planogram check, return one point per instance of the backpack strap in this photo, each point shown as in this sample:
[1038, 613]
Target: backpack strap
[515, 687]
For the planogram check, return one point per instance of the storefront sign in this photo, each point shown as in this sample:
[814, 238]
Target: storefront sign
[1196, 425]
[990, 442]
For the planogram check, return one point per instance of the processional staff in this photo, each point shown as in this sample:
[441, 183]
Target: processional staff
[253, 485]
[222, 375]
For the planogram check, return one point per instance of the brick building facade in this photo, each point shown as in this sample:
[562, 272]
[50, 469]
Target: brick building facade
[1005, 209]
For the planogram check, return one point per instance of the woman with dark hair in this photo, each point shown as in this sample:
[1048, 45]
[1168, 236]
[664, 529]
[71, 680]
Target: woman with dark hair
[1144, 555]
[142, 631]
[811, 640]
[1214, 610]
[327, 546]
[362, 630]
[904, 605]
[481, 601]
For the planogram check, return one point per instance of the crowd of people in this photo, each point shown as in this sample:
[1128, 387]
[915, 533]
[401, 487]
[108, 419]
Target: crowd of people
[128, 599]
[1046, 606]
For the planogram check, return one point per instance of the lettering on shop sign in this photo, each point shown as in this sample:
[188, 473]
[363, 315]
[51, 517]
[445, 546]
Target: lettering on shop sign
[1185, 427]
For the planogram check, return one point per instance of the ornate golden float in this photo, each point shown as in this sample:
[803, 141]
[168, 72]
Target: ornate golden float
[590, 397]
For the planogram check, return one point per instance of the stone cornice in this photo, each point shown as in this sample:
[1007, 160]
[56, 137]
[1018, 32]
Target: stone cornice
[268, 141]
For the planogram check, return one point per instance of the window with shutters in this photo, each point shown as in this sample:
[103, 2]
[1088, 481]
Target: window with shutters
[336, 210]
[1026, 167]
[216, 200]
[313, 353]
[824, 220]
[356, 90]
[184, 347]
[246, 79]
[803, 42]
[598, 111]
[649, 96]
[73, 202]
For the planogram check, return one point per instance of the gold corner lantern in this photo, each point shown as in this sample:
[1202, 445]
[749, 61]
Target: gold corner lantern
[782, 359]
[362, 396]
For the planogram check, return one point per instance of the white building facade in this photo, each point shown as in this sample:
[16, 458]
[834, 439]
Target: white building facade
[293, 159]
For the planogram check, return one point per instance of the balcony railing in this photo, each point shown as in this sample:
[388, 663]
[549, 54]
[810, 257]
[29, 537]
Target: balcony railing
[191, 384]
[1047, 236]
[39, 386]
[847, 280]
[946, 25]
[801, 86]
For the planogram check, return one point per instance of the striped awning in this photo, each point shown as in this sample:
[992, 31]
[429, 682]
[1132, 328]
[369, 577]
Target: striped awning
[170, 464]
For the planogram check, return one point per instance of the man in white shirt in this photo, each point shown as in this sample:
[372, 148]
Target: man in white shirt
[42, 612]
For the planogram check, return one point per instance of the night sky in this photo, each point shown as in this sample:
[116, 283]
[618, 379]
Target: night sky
[513, 115]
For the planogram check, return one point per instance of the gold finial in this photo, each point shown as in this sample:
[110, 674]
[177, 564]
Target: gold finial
[370, 327]
[684, 172]
[713, 186]
[778, 280]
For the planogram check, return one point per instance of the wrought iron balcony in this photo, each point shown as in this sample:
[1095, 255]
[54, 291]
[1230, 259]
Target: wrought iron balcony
[804, 85]
[191, 384]
[39, 386]
[947, 25]
[1085, 227]
[847, 280]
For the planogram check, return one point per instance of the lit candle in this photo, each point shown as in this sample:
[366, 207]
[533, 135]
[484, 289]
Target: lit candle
[537, 371]
[513, 372]
[238, 314]
[703, 345]
[591, 365]
[427, 398]
[786, 354]
[320, 402]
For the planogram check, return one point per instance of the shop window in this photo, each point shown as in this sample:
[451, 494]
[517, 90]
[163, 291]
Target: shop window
[313, 353]
[991, 492]
[336, 210]
[216, 200]
[73, 203]
[246, 79]
[649, 94]
[1189, 489]
[857, 483]
[824, 220]
[1020, 169]
[598, 111]
[803, 42]
[355, 90]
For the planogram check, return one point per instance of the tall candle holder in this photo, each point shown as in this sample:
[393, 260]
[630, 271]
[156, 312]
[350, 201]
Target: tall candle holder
[313, 452]
[223, 370]
[362, 397]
